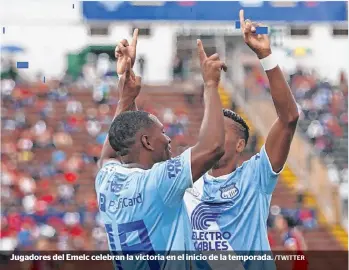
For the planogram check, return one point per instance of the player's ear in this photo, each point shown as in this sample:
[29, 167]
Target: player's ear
[146, 143]
[240, 146]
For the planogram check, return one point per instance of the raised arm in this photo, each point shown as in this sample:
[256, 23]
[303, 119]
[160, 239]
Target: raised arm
[281, 134]
[209, 148]
[129, 87]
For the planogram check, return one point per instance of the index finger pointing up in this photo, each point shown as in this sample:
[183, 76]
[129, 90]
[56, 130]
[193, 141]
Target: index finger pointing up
[128, 68]
[242, 19]
[201, 52]
[135, 37]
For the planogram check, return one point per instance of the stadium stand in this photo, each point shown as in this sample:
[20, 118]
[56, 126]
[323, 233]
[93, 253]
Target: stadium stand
[324, 119]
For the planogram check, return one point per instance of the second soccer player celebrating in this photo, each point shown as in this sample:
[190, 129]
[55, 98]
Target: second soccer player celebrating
[232, 203]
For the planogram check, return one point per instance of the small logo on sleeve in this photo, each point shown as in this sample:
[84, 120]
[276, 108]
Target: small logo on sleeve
[174, 167]
[229, 191]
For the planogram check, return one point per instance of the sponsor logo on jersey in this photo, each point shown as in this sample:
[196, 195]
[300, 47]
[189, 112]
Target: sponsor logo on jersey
[123, 202]
[229, 191]
[115, 187]
[211, 240]
[174, 167]
[102, 202]
[206, 234]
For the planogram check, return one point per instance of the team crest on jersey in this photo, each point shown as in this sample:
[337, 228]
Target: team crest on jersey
[229, 191]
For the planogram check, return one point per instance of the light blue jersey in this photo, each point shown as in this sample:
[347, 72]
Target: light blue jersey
[143, 210]
[230, 212]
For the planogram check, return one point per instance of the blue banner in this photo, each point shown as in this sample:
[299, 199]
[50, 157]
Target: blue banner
[290, 11]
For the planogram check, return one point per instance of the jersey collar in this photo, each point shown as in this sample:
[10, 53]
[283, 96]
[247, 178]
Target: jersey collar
[219, 178]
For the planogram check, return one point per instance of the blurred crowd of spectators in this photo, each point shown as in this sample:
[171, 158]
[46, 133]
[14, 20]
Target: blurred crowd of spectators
[324, 114]
[44, 204]
[324, 107]
[323, 120]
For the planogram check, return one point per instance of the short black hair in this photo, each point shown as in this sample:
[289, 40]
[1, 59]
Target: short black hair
[238, 119]
[124, 128]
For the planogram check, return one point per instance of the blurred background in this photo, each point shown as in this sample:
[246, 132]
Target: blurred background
[55, 113]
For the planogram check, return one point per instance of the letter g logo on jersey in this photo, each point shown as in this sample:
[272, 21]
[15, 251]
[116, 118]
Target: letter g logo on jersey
[229, 191]
[206, 232]
[205, 214]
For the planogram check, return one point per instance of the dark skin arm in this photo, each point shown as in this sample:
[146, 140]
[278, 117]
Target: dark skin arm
[128, 87]
[281, 134]
[209, 148]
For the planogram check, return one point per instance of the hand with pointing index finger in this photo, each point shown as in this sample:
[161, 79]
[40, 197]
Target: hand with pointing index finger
[123, 51]
[260, 44]
[211, 67]
[129, 84]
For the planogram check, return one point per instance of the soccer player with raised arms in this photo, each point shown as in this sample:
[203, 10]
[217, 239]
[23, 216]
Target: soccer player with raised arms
[229, 205]
[139, 187]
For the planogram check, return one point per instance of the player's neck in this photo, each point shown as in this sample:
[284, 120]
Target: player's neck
[140, 162]
[223, 170]
[135, 165]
